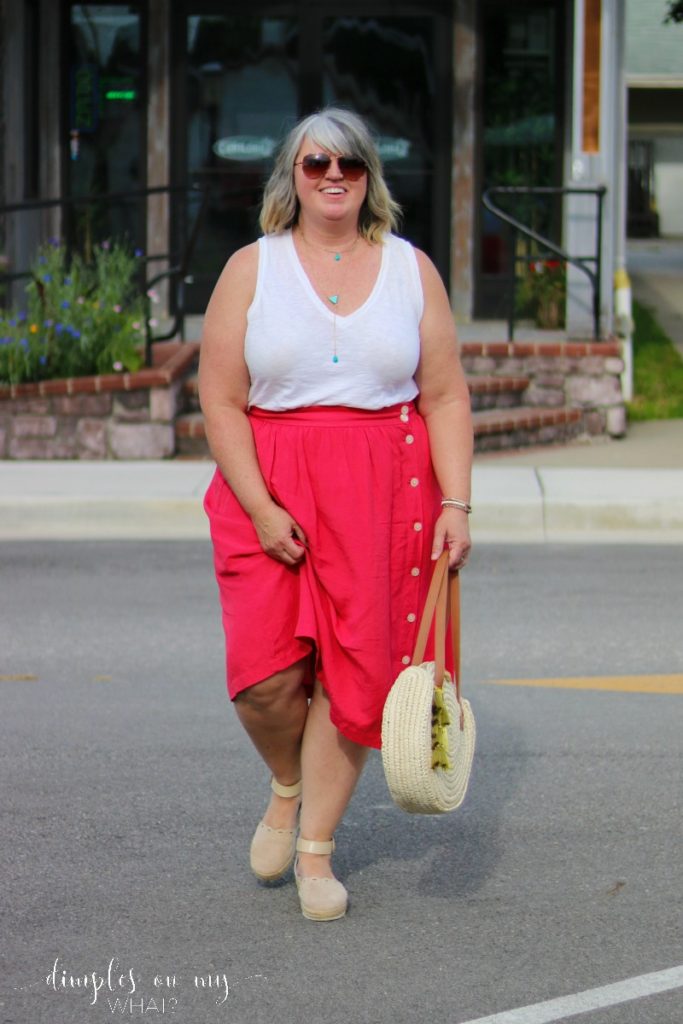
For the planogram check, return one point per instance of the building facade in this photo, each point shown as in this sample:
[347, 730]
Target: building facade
[654, 77]
[462, 94]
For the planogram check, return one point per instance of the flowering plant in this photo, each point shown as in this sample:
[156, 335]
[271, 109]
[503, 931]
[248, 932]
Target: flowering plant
[80, 318]
[542, 292]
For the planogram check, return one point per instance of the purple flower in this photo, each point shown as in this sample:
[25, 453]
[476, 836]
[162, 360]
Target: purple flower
[24, 344]
[22, 316]
[65, 304]
[12, 323]
[42, 360]
[54, 242]
[106, 245]
[75, 334]
[139, 253]
[67, 280]
[42, 260]
[49, 323]
[47, 278]
[116, 308]
[59, 328]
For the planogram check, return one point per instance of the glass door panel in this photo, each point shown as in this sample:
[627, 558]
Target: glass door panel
[384, 68]
[106, 121]
[242, 75]
[249, 76]
[522, 98]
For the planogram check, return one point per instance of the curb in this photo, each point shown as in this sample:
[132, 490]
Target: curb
[162, 500]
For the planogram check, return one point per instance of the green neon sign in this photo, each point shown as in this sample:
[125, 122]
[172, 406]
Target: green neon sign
[125, 95]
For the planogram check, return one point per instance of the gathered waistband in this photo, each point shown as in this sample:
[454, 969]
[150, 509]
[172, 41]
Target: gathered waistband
[331, 415]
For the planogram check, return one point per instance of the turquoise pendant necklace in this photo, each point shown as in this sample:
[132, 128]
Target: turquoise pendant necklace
[333, 299]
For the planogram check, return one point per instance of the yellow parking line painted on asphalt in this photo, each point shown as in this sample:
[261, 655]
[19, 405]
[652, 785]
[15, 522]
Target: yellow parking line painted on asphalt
[623, 684]
[18, 679]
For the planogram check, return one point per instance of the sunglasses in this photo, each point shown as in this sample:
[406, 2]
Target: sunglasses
[316, 165]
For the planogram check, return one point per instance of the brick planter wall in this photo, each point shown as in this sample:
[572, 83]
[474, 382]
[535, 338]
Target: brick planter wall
[582, 376]
[117, 416]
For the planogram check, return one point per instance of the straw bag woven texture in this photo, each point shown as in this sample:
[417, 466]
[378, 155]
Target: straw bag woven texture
[428, 730]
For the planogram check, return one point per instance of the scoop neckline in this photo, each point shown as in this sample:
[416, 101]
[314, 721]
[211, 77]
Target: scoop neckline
[315, 298]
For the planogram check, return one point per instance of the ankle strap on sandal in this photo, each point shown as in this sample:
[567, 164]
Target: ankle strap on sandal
[280, 790]
[312, 846]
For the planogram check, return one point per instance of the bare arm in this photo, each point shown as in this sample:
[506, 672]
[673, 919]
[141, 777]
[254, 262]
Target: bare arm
[444, 402]
[223, 392]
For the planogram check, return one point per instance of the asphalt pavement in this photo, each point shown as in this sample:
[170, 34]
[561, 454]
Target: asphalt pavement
[131, 792]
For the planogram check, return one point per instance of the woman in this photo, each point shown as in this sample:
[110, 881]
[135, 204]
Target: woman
[317, 340]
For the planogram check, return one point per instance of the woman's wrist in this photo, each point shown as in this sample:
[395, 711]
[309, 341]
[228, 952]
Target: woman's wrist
[456, 503]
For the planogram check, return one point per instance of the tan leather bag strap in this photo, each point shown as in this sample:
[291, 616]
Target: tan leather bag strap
[442, 603]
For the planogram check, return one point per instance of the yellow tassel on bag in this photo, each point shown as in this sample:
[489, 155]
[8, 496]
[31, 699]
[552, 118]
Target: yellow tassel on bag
[440, 722]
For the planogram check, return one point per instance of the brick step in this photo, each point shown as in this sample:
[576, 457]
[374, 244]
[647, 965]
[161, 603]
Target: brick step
[493, 428]
[190, 393]
[496, 392]
[190, 435]
[487, 391]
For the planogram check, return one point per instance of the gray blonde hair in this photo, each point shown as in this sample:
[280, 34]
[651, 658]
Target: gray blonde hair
[344, 134]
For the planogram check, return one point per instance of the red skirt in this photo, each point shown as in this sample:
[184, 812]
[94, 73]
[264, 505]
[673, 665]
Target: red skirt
[361, 486]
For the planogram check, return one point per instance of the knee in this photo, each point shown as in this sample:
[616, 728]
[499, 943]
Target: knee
[282, 687]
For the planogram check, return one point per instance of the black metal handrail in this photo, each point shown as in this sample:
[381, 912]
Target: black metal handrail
[590, 265]
[178, 270]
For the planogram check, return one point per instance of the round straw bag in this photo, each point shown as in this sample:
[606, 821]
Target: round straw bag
[428, 730]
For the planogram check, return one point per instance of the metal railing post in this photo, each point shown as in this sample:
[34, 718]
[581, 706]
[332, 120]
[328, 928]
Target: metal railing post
[594, 275]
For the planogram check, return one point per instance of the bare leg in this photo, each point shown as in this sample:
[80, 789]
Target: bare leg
[273, 712]
[331, 766]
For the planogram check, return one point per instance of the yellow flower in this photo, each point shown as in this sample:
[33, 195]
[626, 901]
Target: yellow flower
[33, 328]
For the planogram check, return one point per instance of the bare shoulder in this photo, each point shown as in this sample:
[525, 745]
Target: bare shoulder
[242, 267]
[431, 278]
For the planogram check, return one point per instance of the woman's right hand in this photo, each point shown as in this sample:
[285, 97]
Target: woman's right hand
[279, 534]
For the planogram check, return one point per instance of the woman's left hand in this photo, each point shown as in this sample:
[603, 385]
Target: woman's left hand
[452, 530]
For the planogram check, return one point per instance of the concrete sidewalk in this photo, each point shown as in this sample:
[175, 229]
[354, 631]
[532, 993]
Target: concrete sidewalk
[629, 490]
[605, 490]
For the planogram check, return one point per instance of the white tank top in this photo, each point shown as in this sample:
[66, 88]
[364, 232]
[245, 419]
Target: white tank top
[289, 344]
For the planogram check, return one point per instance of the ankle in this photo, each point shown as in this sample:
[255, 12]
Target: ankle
[314, 865]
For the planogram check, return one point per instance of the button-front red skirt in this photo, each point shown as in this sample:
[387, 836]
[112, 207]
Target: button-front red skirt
[361, 486]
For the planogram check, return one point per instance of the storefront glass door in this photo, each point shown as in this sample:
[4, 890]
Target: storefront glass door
[521, 140]
[106, 121]
[247, 77]
[241, 91]
[386, 69]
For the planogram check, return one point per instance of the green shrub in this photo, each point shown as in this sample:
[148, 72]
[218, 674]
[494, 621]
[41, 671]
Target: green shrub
[542, 293]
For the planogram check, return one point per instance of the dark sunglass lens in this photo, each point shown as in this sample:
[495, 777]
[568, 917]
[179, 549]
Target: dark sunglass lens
[352, 167]
[314, 166]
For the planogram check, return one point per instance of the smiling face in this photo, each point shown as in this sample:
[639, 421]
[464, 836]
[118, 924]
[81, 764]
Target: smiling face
[332, 196]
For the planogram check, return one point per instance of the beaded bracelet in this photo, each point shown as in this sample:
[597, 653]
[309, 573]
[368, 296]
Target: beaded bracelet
[464, 506]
